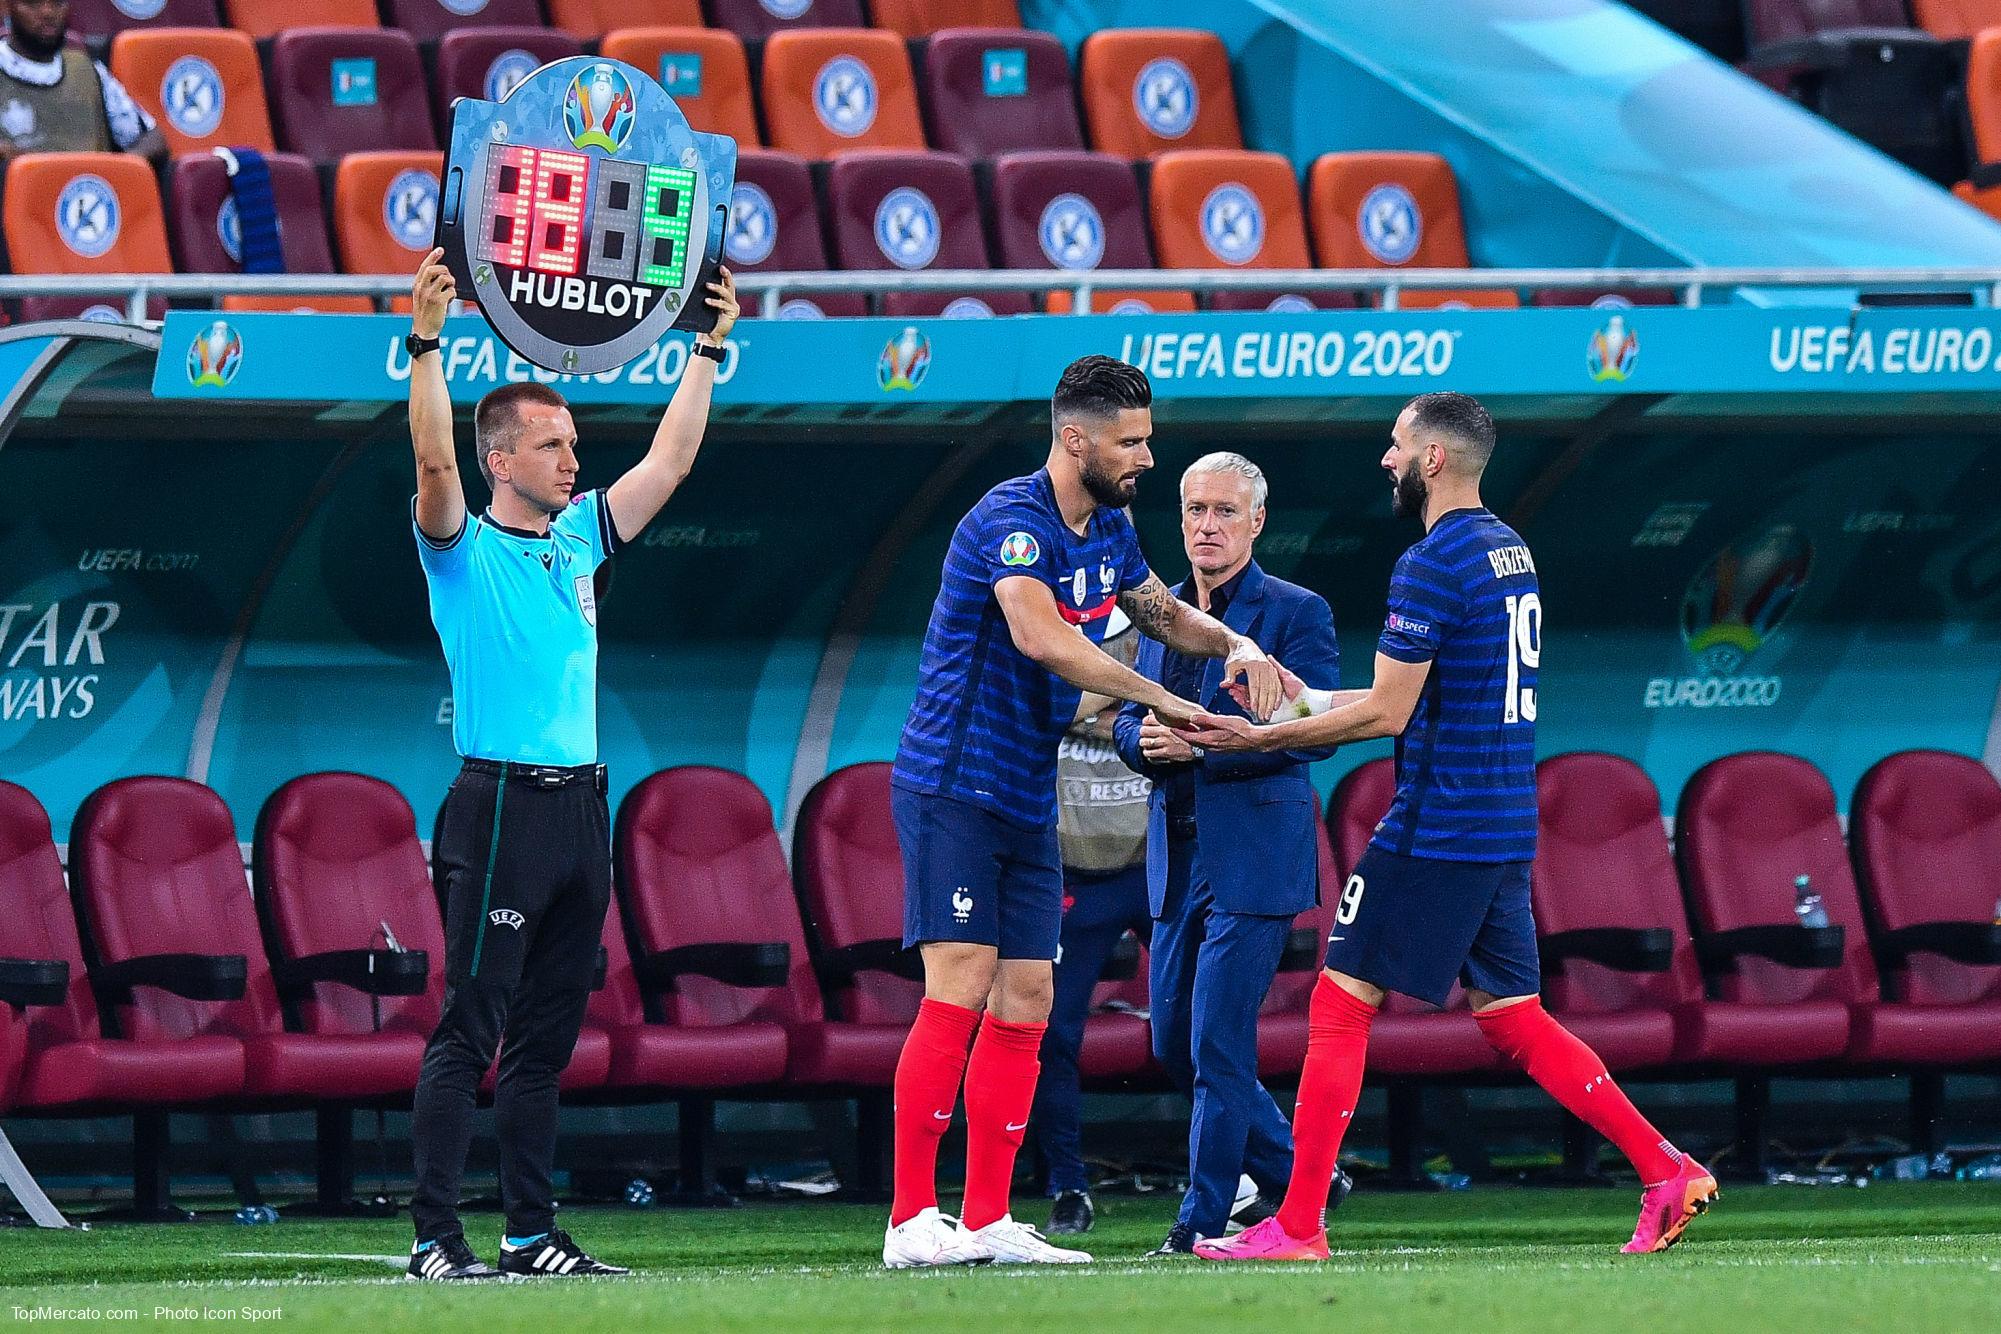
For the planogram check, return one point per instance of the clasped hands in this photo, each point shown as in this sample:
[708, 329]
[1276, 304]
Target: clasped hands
[1174, 743]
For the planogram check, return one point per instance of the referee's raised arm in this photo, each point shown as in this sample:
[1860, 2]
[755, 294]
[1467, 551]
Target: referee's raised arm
[441, 501]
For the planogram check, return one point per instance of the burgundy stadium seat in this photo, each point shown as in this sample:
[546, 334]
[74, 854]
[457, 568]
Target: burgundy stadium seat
[71, 1061]
[1075, 211]
[429, 20]
[201, 223]
[775, 224]
[989, 91]
[488, 62]
[1283, 1017]
[753, 19]
[348, 90]
[102, 18]
[895, 210]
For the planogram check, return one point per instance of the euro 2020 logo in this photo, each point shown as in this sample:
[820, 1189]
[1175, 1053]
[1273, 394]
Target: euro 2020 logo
[598, 109]
[215, 356]
[1730, 612]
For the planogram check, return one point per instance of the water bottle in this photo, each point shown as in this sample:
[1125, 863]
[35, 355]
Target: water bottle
[1997, 912]
[1807, 906]
[1982, 1169]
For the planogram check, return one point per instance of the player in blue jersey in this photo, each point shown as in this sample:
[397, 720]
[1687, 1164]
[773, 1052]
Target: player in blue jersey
[1033, 572]
[1443, 891]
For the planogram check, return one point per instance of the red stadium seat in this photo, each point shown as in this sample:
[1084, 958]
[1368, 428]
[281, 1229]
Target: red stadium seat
[1075, 211]
[83, 213]
[827, 91]
[1956, 20]
[1148, 90]
[704, 69]
[1393, 210]
[202, 85]
[989, 91]
[775, 224]
[913, 211]
[850, 877]
[348, 90]
[429, 20]
[1217, 208]
[488, 62]
[921, 18]
[594, 18]
[754, 19]
[103, 18]
[268, 18]
[207, 237]
[1770, 22]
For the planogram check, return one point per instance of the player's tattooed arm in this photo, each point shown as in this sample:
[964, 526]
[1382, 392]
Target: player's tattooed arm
[1162, 616]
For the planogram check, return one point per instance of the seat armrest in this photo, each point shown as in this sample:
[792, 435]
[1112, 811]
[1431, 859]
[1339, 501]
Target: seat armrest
[1789, 944]
[839, 968]
[1827, 51]
[1961, 942]
[376, 972]
[199, 977]
[25, 982]
[1302, 953]
[1628, 949]
[735, 964]
[1123, 964]
[600, 968]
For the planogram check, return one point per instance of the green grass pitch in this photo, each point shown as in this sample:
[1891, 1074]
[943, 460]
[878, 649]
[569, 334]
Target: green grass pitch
[1911, 1258]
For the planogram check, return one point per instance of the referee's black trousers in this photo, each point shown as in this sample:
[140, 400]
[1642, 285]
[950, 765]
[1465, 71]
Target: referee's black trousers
[524, 870]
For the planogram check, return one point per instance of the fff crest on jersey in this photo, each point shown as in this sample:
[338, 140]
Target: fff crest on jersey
[583, 215]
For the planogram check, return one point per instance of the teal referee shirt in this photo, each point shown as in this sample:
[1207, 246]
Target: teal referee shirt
[518, 619]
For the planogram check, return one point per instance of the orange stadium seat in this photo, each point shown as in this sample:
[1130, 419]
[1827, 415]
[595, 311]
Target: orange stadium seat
[1392, 210]
[1988, 201]
[1956, 19]
[202, 85]
[1217, 208]
[82, 213]
[594, 18]
[827, 90]
[1983, 95]
[385, 207]
[268, 18]
[921, 18]
[704, 69]
[1148, 90]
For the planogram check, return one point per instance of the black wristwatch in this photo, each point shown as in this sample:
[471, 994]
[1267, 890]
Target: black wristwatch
[712, 352]
[417, 346]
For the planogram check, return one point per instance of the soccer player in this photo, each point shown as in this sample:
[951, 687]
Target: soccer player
[1443, 890]
[1031, 576]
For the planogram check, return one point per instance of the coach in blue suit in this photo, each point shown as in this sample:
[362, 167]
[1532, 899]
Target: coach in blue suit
[1232, 854]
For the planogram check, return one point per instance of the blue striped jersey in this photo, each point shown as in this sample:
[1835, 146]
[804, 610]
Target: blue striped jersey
[987, 719]
[1464, 599]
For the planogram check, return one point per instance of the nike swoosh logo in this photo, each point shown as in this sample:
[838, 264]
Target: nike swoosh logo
[941, 1116]
[1012, 1128]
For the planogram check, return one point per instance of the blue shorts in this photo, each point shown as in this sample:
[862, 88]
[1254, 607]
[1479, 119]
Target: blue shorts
[1413, 924]
[972, 877]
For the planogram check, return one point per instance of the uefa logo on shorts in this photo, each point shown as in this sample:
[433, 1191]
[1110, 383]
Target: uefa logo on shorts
[906, 228]
[87, 215]
[753, 229]
[229, 230]
[1390, 224]
[215, 355]
[507, 71]
[191, 95]
[785, 9]
[1072, 232]
[966, 308]
[1164, 96]
[140, 10]
[844, 96]
[410, 209]
[1233, 224]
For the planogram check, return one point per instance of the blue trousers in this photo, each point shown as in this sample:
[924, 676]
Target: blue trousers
[1102, 908]
[1211, 970]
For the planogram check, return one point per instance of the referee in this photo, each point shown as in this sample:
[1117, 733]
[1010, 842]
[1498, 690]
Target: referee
[523, 853]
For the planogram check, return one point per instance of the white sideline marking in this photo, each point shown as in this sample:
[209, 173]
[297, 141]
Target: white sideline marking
[398, 1260]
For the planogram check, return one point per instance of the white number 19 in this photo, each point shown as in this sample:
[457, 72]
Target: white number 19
[1524, 650]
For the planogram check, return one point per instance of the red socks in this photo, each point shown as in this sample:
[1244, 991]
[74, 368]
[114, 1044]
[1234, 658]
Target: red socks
[927, 1088]
[1337, 1045]
[1572, 1074]
[1000, 1088]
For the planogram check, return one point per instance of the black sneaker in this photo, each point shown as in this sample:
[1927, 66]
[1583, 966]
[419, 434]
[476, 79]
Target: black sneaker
[1343, 1183]
[552, 1255]
[1181, 1240]
[447, 1260]
[1071, 1214]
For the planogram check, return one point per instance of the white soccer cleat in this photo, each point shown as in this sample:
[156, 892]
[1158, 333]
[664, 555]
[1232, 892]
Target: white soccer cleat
[928, 1239]
[1006, 1242]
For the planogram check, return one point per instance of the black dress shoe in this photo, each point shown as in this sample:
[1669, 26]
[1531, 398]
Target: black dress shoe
[1071, 1214]
[1343, 1183]
[1181, 1240]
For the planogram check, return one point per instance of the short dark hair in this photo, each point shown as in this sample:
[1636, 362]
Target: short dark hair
[493, 420]
[1458, 417]
[1098, 386]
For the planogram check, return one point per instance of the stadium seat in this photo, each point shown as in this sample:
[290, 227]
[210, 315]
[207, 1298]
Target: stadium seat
[1717, 26]
[1219, 208]
[429, 20]
[989, 91]
[909, 211]
[83, 213]
[1075, 211]
[488, 62]
[1956, 20]
[385, 205]
[775, 225]
[102, 18]
[849, 871]
[920, 18]
[202, 85]
[755, 19]
[1983, 107]
[348, 90]
[704, 69]
[828, 91]
[74, 1062]
[1148, 90]
[1393, 210]
[202, 222]
[595, 18]
[268, 18]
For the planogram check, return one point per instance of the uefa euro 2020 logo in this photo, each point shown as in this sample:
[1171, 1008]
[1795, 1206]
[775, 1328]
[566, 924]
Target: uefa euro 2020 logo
[215, 356]
[905, 360]
[1731, 611]
[1612, 352]
[598, 109]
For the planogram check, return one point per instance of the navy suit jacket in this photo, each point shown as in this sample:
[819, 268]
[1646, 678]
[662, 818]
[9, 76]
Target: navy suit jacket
[1253, 810]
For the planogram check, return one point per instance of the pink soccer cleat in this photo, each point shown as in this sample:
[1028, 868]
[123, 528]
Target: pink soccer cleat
[1264, 1241]
[1666, 1209]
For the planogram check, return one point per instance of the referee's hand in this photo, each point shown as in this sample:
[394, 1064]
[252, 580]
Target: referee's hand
[722, 300]
[431, 295]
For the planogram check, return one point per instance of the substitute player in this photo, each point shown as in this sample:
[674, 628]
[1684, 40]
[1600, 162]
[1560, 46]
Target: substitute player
[1443, 890]
[1031, 576]
[524, 841]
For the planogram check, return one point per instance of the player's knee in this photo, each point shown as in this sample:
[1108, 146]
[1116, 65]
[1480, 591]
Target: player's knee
[1023, 994]
[1366, 992]
[961, 975]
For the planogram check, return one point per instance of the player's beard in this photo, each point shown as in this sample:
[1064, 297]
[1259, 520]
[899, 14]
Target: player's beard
[33, 47]
[1409, 494]
[1108, 490]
